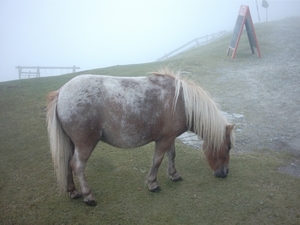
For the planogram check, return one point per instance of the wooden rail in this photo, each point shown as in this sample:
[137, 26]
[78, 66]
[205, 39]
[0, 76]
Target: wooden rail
[194, 43]
[37, 73]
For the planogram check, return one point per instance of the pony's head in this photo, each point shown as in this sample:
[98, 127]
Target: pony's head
[204, 118]
[218, 159]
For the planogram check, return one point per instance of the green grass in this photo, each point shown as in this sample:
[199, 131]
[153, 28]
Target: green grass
[254, 192]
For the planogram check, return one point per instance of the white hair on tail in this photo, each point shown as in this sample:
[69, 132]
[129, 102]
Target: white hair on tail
[203, 116]
[60, 144]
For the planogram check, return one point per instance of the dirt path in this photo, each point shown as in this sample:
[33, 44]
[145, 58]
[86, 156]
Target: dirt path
[266, 92]
[268, 95]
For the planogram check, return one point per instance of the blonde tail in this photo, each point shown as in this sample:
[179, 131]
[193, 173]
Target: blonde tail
[60, 143]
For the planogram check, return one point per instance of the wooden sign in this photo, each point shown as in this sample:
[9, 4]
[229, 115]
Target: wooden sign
[244, 18]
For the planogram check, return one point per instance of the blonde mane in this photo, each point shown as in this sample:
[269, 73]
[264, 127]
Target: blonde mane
[203, 116]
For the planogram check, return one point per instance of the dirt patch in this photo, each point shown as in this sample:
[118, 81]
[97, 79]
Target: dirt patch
[293, 168]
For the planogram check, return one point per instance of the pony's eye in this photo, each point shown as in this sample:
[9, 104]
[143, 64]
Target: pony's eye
[229, 147]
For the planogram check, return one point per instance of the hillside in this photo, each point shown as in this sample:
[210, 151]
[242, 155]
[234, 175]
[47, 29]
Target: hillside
[263, 92]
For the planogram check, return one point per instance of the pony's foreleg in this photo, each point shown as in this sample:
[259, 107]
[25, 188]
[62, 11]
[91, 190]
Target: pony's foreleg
[78, 163]
[160, 149]
[174, 175]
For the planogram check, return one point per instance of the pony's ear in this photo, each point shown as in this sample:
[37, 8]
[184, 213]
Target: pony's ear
[229, 128]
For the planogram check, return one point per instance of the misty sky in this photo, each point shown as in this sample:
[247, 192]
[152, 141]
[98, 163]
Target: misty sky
[102, 33]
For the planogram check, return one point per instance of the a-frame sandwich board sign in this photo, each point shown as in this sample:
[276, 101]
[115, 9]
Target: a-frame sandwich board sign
[244, 18]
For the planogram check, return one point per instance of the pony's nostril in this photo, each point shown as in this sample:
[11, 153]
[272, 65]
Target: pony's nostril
[222, 173]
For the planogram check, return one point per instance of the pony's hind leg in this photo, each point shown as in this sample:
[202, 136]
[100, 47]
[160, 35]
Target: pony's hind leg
[73, 192]
[174, 175]
[78, 163]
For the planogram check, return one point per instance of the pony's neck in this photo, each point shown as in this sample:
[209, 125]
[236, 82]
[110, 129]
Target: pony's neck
[202, 114]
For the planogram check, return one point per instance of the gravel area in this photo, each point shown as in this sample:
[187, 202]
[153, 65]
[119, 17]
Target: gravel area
[262, 96]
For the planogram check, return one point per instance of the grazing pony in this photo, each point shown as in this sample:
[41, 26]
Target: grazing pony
[128, 112]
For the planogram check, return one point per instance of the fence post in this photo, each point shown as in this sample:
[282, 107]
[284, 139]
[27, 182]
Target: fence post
[20, 71]
[74, 69]
[38, 72]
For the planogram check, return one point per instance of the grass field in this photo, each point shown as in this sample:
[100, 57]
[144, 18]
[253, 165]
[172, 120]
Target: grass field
[254, 192]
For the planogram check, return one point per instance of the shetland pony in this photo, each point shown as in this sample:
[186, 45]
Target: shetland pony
[129, 112]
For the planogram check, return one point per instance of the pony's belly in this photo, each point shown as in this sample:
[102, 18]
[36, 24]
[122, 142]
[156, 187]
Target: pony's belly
[126, 139]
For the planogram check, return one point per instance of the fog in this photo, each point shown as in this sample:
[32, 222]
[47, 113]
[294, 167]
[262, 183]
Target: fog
[97, 34]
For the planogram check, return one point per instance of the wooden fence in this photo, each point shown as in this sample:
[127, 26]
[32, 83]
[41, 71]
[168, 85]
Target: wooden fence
[194, 43]
[37, 70]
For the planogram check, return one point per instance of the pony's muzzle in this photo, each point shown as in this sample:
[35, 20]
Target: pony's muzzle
[222, 172]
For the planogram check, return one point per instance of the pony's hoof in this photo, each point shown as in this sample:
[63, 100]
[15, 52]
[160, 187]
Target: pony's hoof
[155, 190]
[91, 203]
[75, 195]
[176, 179]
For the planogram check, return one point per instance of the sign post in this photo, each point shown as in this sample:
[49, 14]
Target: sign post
[244, 18]
[265, 4]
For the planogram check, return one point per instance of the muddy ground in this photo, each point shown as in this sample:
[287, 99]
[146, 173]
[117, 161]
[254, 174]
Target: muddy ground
[263, 96]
